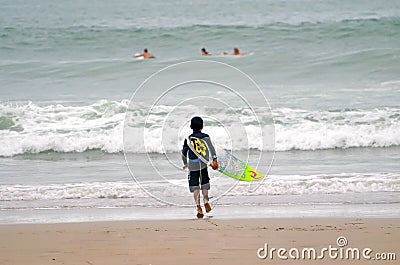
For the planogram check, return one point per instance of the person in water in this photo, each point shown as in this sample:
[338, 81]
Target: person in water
[145, 55]
[204, 52]
[236, 52]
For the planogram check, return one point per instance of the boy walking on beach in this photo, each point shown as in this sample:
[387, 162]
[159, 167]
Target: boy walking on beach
[198, 173]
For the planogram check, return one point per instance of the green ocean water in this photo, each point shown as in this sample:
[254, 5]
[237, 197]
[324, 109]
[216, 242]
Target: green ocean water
[60, 51]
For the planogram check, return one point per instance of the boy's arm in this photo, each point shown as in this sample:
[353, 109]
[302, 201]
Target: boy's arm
[213, 154]
[185, 150]
[211, 148]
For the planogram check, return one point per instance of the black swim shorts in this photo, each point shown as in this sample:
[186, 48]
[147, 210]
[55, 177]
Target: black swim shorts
[197, 177]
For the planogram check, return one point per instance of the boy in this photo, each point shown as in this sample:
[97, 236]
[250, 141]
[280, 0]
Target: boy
[198, 174]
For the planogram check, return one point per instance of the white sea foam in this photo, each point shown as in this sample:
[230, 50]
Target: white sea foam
[30, 128]
[326, 184]
[274, 185]
[33, 129]
[311, 130]
[108, 190]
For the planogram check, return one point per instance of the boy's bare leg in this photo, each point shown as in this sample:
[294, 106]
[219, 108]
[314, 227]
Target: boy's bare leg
[196, 196]
[205, 197]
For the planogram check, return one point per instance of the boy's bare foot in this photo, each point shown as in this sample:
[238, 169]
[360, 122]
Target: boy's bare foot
[208, 207]
[199, 212]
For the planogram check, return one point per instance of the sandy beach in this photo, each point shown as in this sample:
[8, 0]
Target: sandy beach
[207, 241]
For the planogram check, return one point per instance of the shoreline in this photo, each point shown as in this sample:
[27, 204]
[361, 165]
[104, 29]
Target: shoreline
[275, 210]
[216, 241]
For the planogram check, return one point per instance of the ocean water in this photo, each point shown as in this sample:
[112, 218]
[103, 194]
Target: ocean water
[329, 69]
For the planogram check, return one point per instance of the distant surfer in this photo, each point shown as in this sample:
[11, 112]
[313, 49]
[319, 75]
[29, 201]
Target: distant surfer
[145, 55]
[204, 52]
[236, 52]
[198, 174]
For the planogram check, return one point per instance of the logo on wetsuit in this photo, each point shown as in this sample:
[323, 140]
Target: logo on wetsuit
[199, 147]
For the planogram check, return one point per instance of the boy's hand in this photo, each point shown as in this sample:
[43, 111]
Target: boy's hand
[185, 167]
[214, 165]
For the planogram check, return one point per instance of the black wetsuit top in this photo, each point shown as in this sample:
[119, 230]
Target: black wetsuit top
[192, 156]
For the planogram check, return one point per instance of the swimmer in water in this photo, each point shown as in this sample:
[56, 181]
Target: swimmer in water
[204, 52]
[236, 52]
[145, 55]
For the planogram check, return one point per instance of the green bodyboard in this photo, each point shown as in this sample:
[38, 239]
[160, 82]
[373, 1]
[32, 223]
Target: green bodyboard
[235, 168]
[229, 165]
